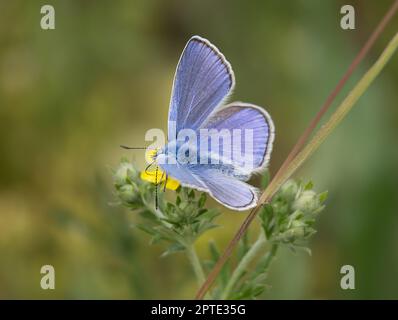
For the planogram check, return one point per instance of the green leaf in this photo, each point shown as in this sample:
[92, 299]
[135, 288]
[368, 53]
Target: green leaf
[170, 207]
[309, 186]
[323, 196]
[171, 221]
[174, 248]
[155, 239]
[201, 212]
[206, 227]
[243, 246]
[202, 200]
[225, 272]
[214, 252]
[146, 229]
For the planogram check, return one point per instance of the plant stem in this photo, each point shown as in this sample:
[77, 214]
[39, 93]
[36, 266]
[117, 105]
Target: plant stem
[345, 107]
[271, 255]
[299, 159]
[243, 264]
[196, 265]
[357, 60]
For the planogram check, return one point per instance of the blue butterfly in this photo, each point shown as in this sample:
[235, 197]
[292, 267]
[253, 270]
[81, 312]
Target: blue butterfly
[203, 81]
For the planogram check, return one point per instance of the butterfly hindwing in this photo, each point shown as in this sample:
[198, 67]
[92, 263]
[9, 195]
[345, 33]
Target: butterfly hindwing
[184, 175]
[243, 116]
[229, 191]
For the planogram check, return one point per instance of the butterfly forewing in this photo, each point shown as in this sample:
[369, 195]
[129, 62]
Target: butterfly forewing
[202, 81]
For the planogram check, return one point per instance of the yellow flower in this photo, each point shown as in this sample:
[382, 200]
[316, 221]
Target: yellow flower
[157, 175]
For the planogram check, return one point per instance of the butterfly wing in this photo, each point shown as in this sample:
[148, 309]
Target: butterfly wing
[203, 80]
[221, 181]
[239, 115]
[229, 191]
[184, 175]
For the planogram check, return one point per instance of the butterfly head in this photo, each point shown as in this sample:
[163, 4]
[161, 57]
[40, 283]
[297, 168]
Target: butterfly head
[163, 155]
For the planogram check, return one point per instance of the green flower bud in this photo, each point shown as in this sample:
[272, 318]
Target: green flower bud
[297, 233]
[307, 202]
[124, 173]
[289, 190]
[127, 193]
[290, 235]
[297, 224]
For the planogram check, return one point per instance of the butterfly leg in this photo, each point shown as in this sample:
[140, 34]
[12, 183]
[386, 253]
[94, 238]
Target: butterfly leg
[165, 183]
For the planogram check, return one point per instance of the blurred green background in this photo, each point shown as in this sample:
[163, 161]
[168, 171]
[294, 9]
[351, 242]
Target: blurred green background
[70, 96]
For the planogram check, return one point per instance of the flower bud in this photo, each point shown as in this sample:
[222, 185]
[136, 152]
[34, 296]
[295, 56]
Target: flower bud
[289, 190]
[307, 202]
[125, 172]
[127, 193]
[297, 232]
[297, 224]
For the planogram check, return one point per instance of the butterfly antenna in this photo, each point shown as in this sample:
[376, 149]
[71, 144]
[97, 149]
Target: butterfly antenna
[156, 188]
[132, 148]
[148, 166]
[165, 182]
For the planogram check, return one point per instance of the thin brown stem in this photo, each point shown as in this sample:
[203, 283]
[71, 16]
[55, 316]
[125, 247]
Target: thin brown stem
[273, 186]
[332, 96]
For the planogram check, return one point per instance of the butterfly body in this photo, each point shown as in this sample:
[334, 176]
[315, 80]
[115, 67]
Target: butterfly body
[214, 147]
[192, 158]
